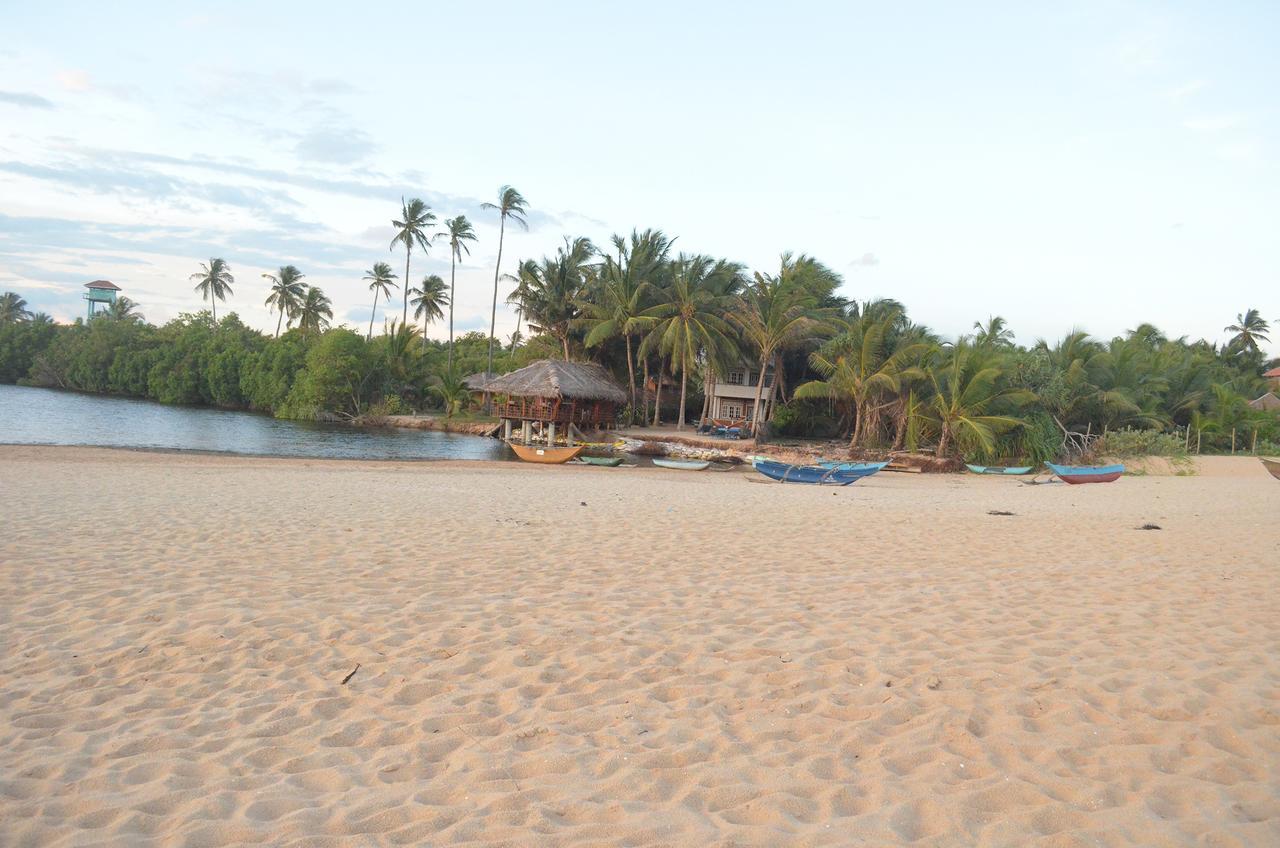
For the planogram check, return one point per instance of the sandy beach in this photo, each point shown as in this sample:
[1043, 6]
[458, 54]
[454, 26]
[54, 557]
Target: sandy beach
[559, 656]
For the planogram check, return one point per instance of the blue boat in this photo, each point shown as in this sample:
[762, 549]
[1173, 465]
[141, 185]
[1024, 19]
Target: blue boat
[816, 474]
[1086, 473]
[866, 467]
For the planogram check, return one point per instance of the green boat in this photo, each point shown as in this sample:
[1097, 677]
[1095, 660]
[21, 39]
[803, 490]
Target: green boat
[607, 461]
[998, 469]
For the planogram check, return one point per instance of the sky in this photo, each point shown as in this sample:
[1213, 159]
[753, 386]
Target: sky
[1092, 165]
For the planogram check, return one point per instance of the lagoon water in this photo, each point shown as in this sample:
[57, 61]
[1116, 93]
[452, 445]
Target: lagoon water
[31, 416]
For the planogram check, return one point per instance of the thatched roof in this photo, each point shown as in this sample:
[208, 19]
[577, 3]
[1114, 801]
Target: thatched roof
[1268, 402]
[553, 378]
[475, 382]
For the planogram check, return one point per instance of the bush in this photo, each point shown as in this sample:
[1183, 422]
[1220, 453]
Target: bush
[1136, 443]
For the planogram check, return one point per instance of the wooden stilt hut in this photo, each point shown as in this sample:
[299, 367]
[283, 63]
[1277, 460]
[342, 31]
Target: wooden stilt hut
[553, 400]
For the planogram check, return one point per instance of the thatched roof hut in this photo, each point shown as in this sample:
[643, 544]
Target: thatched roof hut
[575, 395]
[475, 382]
[554, 379]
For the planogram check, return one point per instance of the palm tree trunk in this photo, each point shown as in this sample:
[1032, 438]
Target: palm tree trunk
[684, 381]
[857, 424]
[708, 387]
[372, 315]
[631, 378]
[213, 301]
[657, 397]
[644, 388]
[564, 342]
[404, 318]
[278, 320]
[944, 440]
[493, 314]
[453, 276]
[755, 410]
[424, 331]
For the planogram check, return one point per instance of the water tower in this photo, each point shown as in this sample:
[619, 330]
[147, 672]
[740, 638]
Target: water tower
[100, 292]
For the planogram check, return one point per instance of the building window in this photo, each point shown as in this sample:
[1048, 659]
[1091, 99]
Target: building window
[735, 378]
[732, 409]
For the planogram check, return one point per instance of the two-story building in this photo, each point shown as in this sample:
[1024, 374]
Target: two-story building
[733, 397]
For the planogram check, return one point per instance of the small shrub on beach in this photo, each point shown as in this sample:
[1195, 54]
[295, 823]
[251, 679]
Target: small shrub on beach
[1136, 443]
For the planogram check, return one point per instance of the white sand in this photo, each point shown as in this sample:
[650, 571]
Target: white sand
[688, 659]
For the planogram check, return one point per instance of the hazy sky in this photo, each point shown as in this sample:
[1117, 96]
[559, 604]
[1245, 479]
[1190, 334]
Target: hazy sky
[1094, 165]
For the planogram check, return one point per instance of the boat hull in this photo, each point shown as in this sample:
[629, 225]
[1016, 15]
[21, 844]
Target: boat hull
[546, 456]
[606, 461]
[998, 469]
[866, 468]
[812, 474]
[682, 464]
[1076, 474]
[1272, 466]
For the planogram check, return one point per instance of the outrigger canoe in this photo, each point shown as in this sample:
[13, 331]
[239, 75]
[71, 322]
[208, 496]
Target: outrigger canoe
[814, 474]
[998, 469]
[1272, 466]
[609, 461]
[1086, 473]
[867, 468]
[682, 464]
[546, 455]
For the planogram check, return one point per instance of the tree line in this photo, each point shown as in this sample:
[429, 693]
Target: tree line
[659, 320]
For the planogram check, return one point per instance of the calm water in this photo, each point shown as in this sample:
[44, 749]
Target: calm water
[48, 417]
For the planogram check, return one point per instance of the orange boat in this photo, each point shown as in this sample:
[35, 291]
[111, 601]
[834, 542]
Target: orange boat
[549, 456]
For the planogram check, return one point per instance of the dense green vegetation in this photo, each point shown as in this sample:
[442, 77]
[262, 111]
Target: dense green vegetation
[862, 371]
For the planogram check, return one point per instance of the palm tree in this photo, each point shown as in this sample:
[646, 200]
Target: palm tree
[1249, 329]
[511, 204]
[380, 282]
[428, 301]
[688, 318]
[964, 391]
[452, 391]
[772, 313]
[416, 218]
[287, 292]
[123, 309]
[616, 306]
[315, 312]
[460, 232]
[995, 333]
[555, 288]
[859, 366]
[13, 308]
[213, 281]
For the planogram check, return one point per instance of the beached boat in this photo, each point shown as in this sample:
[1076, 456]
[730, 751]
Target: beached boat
[1273, 466]
[545, 455]
[682, 464]
[608, 461]
[814, 474]
[998, 469]
[867, 468]
[1086, 473]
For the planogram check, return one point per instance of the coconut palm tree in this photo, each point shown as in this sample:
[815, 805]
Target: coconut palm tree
[689, 318]
[429, 301]
[775, 311]
[315, 312]
[123, 309]
[859, 367]
[994, 333]
[511, 204]
[13, 308]
[1249, 329]
[555, 289]
[380, 280]
[615, 307]
[460, 232]
[287, 292]
[416, 218]
[213, 281]
[965, 389]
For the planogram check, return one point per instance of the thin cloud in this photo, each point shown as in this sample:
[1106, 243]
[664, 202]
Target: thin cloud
[1214, 123]
[866, 260]
[27, 99]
